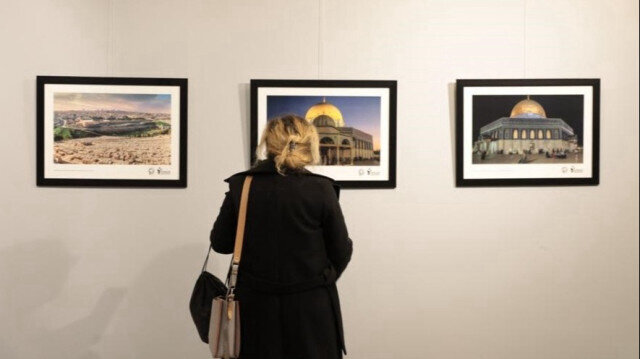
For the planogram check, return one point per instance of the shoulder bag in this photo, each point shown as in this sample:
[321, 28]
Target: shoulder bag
[207, 287]
[224, 329]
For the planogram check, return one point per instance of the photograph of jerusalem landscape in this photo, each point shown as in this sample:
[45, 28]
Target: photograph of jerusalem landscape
[112, 129]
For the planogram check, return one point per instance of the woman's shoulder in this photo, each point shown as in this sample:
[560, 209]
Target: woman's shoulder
[327, 184]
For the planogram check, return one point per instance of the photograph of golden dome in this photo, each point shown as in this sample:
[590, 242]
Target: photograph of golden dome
[348, 126]
[355, 121]
[527, 132]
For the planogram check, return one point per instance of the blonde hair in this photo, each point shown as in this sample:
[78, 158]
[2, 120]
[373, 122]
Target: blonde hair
[291, 141]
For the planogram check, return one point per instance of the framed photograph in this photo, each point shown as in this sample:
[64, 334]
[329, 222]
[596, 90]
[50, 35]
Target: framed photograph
[356, 123]
[113, 132]
[538, 132]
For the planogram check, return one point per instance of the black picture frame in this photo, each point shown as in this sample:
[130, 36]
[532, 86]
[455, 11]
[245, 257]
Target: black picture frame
[391, 85]
[43, 181]
[463, 84]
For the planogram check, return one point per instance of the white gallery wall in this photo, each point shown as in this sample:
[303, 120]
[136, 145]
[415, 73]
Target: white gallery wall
[437, 271]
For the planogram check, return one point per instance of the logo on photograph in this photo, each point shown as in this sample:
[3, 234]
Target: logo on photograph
[371, 172]
[163, 171]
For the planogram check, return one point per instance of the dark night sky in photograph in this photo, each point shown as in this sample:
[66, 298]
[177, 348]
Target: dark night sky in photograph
[488, 108]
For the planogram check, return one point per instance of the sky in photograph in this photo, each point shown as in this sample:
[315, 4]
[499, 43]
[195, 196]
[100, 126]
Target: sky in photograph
[155, 103]
[488, 108]
[360, 112]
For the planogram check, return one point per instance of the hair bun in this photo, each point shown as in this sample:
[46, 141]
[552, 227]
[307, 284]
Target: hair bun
[291, 140]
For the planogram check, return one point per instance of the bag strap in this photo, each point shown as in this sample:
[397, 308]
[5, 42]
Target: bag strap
[242, 216]
[206, 260]
[242, 219]
[237, 250]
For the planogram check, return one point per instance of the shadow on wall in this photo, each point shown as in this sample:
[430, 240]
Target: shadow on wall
[154, 321]
[33, 274]
[244, 93]
[451, 87]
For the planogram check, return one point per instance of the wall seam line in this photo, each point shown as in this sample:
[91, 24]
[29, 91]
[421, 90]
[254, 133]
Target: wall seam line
[524, 40]
[320, 39]
[109, 37]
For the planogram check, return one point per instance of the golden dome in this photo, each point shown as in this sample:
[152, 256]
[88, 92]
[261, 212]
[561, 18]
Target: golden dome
[528, 108]
[325, 108]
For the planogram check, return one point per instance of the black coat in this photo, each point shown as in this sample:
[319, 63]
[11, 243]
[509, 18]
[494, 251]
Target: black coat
[296, 245]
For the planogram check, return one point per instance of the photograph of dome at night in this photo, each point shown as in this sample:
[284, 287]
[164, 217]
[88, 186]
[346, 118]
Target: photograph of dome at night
[355, 121]
[348, 126]
[529, 132]
[527, 129]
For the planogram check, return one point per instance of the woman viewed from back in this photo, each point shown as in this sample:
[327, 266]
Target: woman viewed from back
[294, 235]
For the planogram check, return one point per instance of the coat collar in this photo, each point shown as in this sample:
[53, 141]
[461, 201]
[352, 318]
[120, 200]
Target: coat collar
[268, 166]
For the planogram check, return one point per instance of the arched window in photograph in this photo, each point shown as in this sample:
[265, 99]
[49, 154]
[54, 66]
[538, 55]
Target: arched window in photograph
[532, 134]
[515, 134]
[548, 134]
[524, 134]
[540, 135]
[326, 141]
